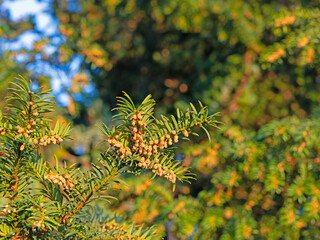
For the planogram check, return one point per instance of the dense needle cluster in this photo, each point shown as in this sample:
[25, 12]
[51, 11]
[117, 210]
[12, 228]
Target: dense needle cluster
[303, 42]
[43, 141]
[276, 55]
[53, 138]
[122, 151]
[27, 130]
[115, 227]
[288, 20]
[54, 208]
[24, 131]
[63, 180]
[158, 168]
[7, 210]
[147, 149]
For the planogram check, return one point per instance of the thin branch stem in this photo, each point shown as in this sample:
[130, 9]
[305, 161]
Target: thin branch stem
[234, 102]
[87, 197]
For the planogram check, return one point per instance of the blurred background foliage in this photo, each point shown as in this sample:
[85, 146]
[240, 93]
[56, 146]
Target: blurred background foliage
[254, 61]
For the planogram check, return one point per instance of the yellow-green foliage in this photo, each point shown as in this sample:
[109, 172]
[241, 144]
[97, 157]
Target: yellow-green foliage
[53, 202]
[255, 61]
[250, 185]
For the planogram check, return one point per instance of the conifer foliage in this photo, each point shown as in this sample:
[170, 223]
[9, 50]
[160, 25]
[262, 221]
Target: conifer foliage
[55, 202]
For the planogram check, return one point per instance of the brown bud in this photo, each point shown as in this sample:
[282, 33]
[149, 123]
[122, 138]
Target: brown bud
[22, 147]
[185, 133]
[139, 115]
